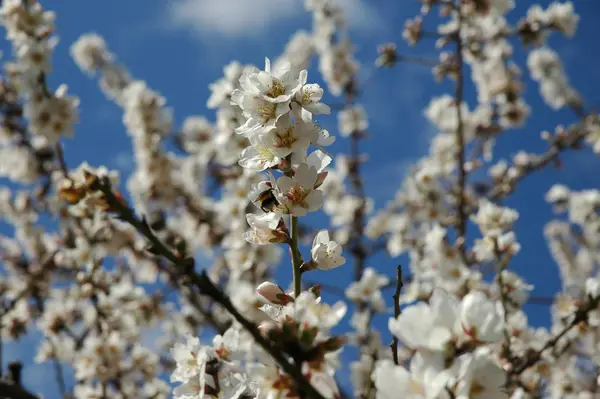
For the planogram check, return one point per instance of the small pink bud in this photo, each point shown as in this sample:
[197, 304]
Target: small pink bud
[273, 293]
[320, 179]
[316, 290]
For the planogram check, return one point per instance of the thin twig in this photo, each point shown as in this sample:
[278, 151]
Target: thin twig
[394, 344]
[417, 60]
[551, 155]
[296, 257]
[61, 159]
[504, 302]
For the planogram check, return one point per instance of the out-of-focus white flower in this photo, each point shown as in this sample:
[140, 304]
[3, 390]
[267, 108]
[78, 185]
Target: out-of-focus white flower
[480, 377]
[368, 289]
[352, 120]
[90, 52]
[545, 67]
[493, 219]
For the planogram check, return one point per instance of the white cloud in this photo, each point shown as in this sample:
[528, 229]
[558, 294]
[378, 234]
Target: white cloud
[235, 18]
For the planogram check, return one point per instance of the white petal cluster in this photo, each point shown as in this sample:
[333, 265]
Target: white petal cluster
[545, 67]
[495, 224]
[29, 29]
[326, 254]
[336, 61]
[278, 108]
[559, 16]
[353, 119]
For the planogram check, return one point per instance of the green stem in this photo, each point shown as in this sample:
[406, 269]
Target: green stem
[296, 259]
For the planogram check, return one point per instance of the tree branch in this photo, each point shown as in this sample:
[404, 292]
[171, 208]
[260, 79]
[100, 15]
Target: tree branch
[394, 344]
[460, 141]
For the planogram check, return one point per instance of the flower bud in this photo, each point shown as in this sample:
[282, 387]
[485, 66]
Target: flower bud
[320, 179]
[316, 290]
[273, 293]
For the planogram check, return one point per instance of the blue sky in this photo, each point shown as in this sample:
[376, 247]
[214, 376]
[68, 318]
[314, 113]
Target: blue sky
[180, 46]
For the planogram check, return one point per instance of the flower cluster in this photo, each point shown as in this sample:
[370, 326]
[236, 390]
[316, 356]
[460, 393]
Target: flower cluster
[29, 28]
[233, 367]
[279, 127]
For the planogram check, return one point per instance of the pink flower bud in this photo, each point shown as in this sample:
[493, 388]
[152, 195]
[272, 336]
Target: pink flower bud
[320, 179]
[273, 293]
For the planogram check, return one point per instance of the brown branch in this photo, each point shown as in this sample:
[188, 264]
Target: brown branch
[10, 384]
[357, 248]
[61, 160]
[394, 344]
[417, 60]
[460, 142]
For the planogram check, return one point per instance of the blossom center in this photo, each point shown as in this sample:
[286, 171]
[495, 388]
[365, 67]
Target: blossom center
[277, 89]
[307, 97]
[266, 153]
[297, 194]
[267, 110]
[286, 139]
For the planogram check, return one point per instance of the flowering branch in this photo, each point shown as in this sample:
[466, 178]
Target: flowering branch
[202, 282]
[579, 316]
[572, 138]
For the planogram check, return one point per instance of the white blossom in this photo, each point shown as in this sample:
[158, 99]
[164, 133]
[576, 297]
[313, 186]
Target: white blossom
[325, 253]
